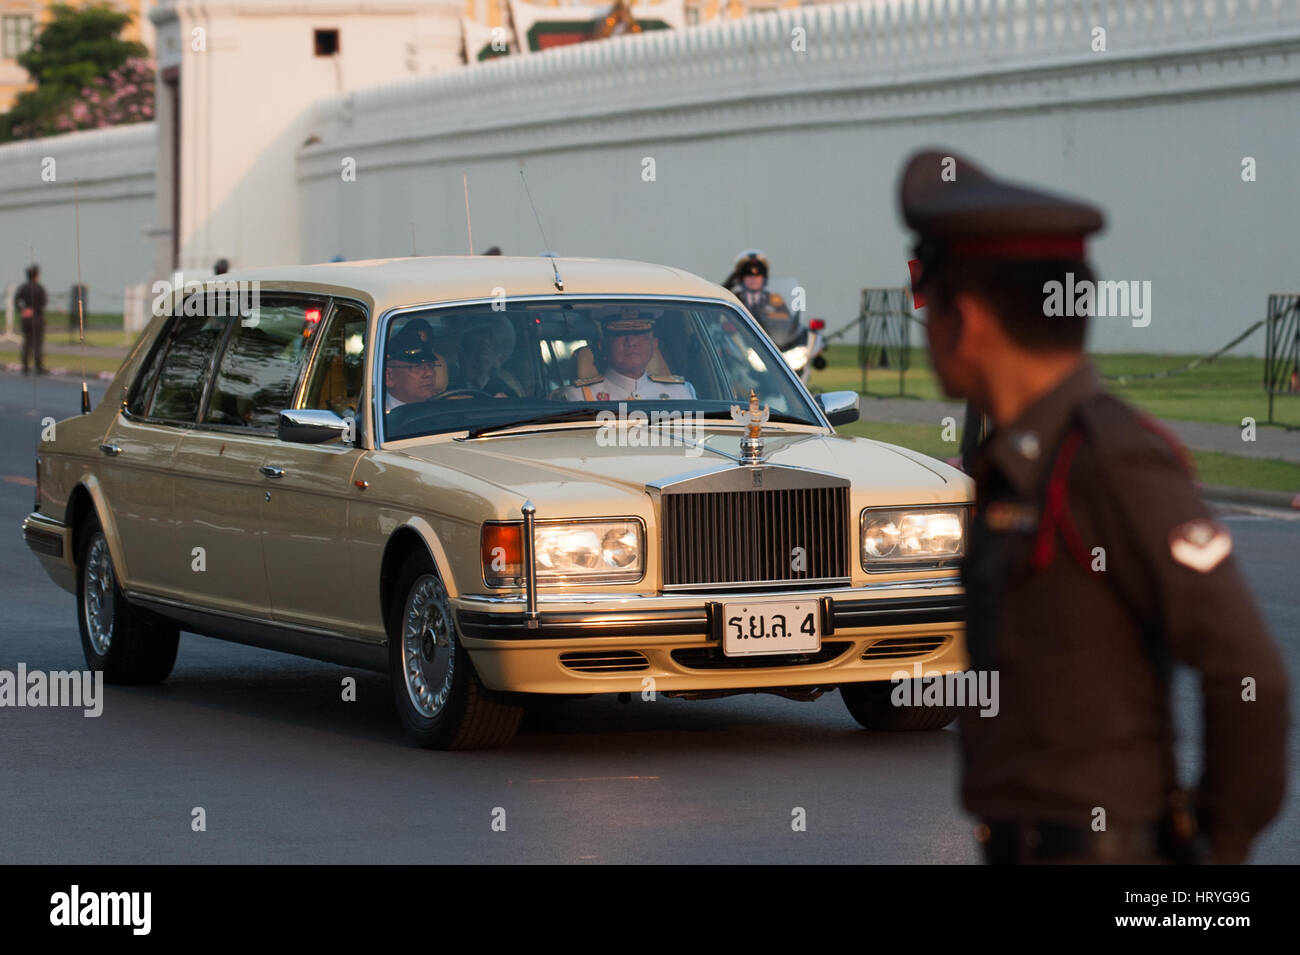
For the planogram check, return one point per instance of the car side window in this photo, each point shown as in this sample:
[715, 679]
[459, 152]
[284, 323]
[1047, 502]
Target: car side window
[141, 392]
[338, 369]
[261, 364]
[185, 367]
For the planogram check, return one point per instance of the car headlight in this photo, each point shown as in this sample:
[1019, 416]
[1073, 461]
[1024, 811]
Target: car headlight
[912, 538]
[589, 551]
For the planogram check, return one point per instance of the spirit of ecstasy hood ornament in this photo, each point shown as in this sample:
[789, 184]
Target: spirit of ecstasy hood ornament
[751, 445]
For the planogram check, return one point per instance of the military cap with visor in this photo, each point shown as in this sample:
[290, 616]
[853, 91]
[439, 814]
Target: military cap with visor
[414, 343]
[628, 319]
[962, 214]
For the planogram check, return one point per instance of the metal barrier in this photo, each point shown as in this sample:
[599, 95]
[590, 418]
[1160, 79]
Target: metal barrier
[884, 331]
[1282, 351]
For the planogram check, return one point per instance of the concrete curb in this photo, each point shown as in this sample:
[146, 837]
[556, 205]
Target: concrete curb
[1285, 500]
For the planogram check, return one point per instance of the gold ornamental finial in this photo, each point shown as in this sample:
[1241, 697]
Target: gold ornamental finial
[751, 446]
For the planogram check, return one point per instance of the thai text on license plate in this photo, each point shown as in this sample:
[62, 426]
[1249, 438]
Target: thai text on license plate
[761, 627]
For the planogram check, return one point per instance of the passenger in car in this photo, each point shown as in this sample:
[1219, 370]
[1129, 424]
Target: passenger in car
[627, 350]
[413, 371]
[480, 365]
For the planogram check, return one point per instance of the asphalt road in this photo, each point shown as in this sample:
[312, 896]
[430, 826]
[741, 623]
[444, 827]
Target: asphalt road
[285, 771]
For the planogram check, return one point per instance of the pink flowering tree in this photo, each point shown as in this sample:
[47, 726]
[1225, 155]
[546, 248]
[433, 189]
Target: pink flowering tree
[126, 95]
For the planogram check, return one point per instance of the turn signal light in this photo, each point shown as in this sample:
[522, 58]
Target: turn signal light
[502, 552]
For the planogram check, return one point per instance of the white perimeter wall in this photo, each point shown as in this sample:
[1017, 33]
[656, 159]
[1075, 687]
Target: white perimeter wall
[798, 153]
[114, 174]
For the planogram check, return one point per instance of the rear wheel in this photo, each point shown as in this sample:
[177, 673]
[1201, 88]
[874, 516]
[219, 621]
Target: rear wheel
[116, 638]
[870, 705]
[440, 699]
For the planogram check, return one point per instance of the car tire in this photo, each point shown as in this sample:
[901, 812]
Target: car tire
[440, 699]
[870, 705]
[116, 638]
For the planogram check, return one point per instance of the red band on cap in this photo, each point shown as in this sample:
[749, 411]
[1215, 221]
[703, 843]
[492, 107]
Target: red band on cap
[1019, 247]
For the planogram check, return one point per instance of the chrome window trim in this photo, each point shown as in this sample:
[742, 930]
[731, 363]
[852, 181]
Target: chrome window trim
[387, 316]
[300, 396]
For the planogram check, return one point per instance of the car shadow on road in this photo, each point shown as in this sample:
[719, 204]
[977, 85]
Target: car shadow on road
[249, 684]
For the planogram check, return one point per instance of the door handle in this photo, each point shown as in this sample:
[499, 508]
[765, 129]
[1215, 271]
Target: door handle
[271, 471]
[112, 450]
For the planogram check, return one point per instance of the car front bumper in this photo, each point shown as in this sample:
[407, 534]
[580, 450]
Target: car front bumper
[616, 644]
[51, 542]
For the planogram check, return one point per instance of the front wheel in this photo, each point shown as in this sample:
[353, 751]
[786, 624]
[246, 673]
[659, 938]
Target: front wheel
[441, 701]
[871, 705]
[115, 637]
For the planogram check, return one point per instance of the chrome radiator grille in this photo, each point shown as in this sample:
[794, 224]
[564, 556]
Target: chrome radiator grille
[725, 538]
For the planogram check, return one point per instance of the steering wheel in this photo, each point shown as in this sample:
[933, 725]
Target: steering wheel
[462, 393]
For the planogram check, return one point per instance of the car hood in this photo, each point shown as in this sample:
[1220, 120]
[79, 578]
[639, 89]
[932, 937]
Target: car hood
[586, 465]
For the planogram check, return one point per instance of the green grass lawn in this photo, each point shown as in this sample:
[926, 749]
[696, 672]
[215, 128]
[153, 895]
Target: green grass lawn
[1222, 392]
[1224, 470]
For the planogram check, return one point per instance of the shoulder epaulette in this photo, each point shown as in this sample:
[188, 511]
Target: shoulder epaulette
[585, 382]
[668, 379]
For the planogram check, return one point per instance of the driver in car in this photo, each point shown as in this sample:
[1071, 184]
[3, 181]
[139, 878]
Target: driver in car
[628, 347]
[413, 371]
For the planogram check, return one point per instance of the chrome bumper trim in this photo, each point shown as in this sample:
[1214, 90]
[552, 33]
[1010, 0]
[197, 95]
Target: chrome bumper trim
[44, 535]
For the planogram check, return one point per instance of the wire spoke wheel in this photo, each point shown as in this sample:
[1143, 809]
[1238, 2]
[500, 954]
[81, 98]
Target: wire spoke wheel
[99, 605]
[428, 646]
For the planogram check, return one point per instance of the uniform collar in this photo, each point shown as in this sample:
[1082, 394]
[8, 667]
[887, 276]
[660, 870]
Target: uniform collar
[1024, 449]
[621, 382]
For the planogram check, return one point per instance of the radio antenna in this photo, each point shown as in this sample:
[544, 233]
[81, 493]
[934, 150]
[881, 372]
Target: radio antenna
[559, 282]
[81, 300]
[469, 224]
[412, 238]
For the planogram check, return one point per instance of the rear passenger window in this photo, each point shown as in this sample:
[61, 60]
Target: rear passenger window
[185, 368]
[261, 363]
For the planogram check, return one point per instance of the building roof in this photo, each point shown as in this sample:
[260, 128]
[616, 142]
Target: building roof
[392, 283]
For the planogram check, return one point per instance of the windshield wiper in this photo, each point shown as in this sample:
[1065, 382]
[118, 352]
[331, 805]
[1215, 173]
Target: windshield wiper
[568, 414]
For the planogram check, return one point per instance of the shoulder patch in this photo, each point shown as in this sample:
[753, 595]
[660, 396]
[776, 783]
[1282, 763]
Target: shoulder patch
[668, 379]
[774, 299]
[585, 382]
[1200, 544]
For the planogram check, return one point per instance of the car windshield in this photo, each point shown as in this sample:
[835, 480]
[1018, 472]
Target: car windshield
[489, 365]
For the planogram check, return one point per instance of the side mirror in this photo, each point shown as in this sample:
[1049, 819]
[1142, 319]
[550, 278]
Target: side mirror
[840, 407]
[314, 426]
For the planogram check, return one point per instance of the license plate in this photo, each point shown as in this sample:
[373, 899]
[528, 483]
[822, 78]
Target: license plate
[752, 629]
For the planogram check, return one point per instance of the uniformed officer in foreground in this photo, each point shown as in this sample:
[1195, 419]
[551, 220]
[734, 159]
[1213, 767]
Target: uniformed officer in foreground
[1092, 564]
[627, 348]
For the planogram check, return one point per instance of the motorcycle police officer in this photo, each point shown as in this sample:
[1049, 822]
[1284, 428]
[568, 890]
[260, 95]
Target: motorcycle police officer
[748, 280]
[1092, 565]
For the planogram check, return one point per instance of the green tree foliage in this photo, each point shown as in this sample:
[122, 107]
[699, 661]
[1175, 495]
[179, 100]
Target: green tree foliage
[79, 46]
